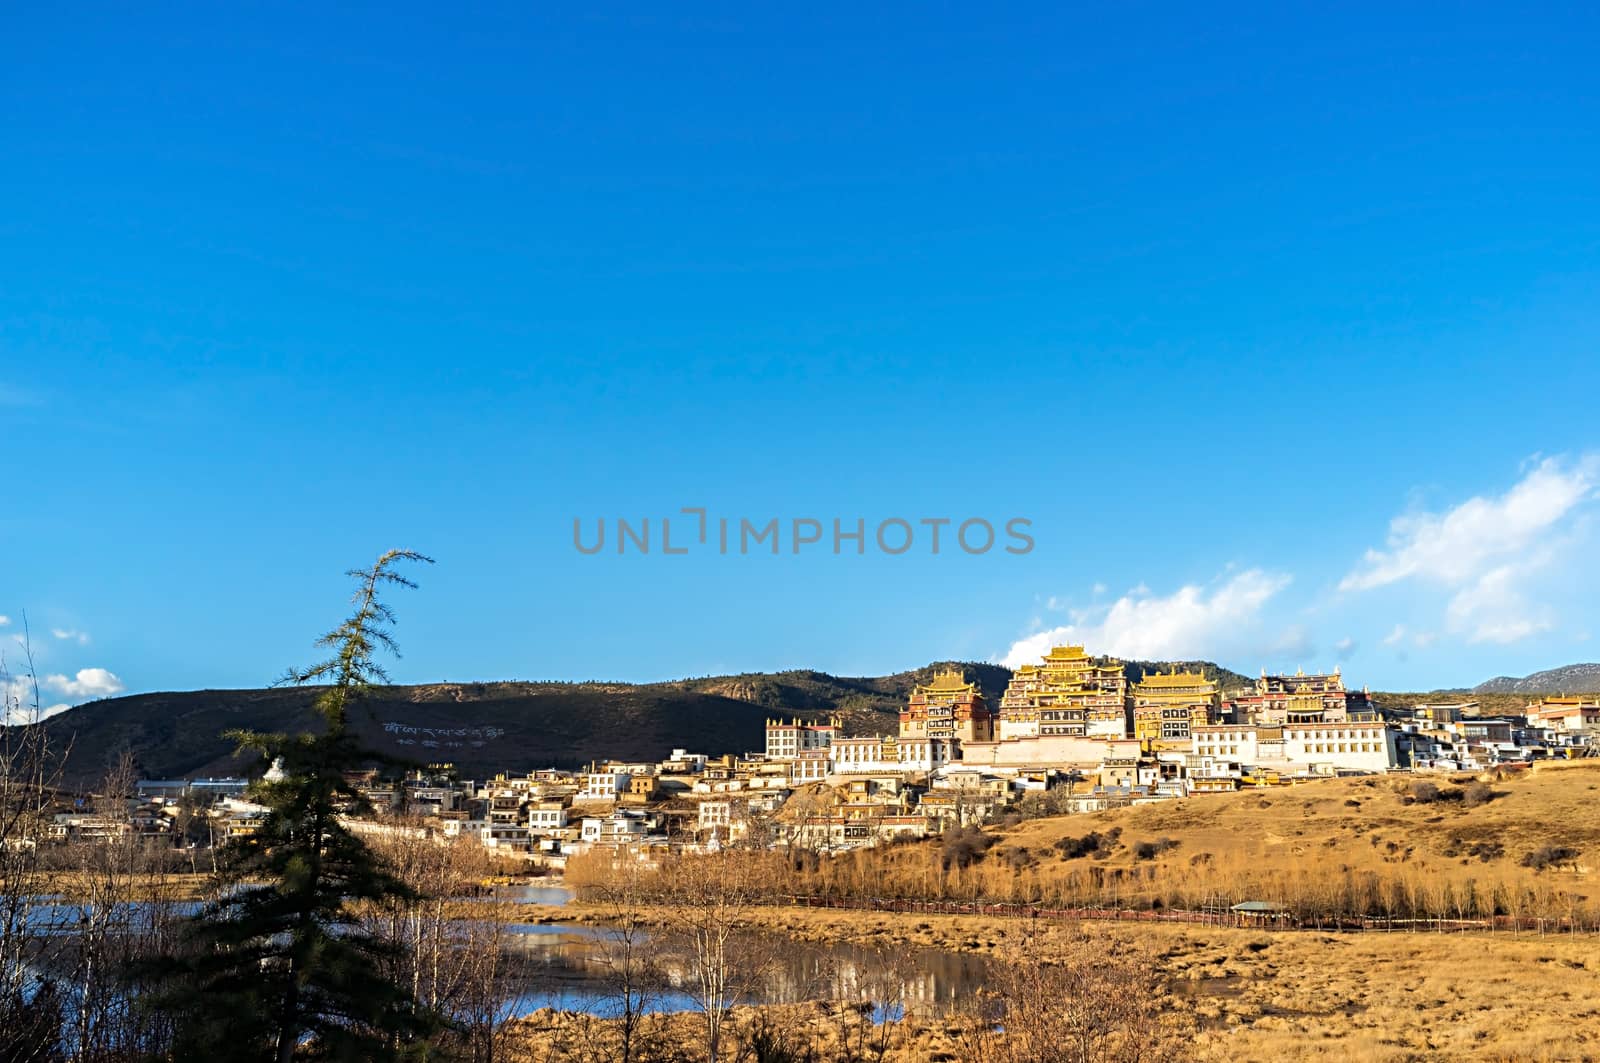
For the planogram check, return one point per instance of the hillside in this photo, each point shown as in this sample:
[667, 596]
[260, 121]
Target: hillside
[491, 727]
[1568, 679]
[1501, 705]
[1359, 825]
[1523, 843]
[485, 728]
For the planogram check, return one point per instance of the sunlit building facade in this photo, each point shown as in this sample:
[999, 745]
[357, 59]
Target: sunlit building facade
[1068, 694]
[1168, 706]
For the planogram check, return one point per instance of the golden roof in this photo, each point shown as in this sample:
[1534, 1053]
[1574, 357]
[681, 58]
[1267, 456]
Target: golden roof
[1172, 679]
[1078, 656]
[947, 681]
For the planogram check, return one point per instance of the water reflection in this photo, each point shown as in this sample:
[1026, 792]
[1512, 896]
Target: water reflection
[554, 896]
[572, 968]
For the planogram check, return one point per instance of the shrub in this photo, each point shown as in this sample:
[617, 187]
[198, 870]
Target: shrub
[1424, 793]
[1478, 793]
[1150, 850]
[1072, 848]
[964, 846]
[1053, 802]
[1018, 858]
[1549, 856]
[1486, 851]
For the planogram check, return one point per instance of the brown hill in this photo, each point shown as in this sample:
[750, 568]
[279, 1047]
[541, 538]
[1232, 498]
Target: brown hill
[485, 728]
[489, 727]
[1568, 679]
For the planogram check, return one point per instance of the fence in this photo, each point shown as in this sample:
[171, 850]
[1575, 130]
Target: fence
[1227, 917]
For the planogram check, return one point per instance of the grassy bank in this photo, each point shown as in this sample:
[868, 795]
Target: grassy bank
[75, 886]
[1290, 996]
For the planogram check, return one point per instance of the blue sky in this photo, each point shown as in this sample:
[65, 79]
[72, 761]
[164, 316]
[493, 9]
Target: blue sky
[1279, 329]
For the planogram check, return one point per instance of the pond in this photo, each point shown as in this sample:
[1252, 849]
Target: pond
[571, 967]
[534, 894]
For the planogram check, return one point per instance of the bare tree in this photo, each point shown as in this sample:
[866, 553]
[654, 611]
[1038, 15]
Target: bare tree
[867, 995]
[106, 861]
[492, 974]
[709, 896]
[627, 952]
[456, 957]
[30, 768]
[1074, 1002]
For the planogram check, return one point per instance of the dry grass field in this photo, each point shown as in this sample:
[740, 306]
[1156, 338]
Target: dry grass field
[1517, 845]
[1288, 995]
[1352, 822]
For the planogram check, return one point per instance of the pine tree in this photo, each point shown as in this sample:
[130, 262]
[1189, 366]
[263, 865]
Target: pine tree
[280, 966]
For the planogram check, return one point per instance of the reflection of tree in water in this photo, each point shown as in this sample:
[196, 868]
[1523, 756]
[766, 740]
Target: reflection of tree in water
[570, 964]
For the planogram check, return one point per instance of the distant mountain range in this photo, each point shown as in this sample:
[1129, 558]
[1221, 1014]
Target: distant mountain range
[1568, 679]
[490, 727]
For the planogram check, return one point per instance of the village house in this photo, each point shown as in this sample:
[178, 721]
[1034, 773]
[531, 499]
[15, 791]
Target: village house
[642, 788]
[682, 762]
[604, 785]
[723, 820]
[547, 818]
[1444, 712]
[622, 827]
[1481, 731]
[1564, 714]
[788, 739]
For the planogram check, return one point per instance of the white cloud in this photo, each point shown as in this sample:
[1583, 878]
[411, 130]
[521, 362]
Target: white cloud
[1192, 622]
[70, 635]
[16, 702]
[1345, 648]
[16, 690]
[1454, 547]
[88, 683]
[22, 715]
[1486, 551]
[1401, 635]
[1494, 608]
[5, 621]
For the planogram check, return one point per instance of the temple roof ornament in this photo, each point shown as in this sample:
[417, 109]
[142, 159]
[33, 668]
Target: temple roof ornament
[947, 681]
